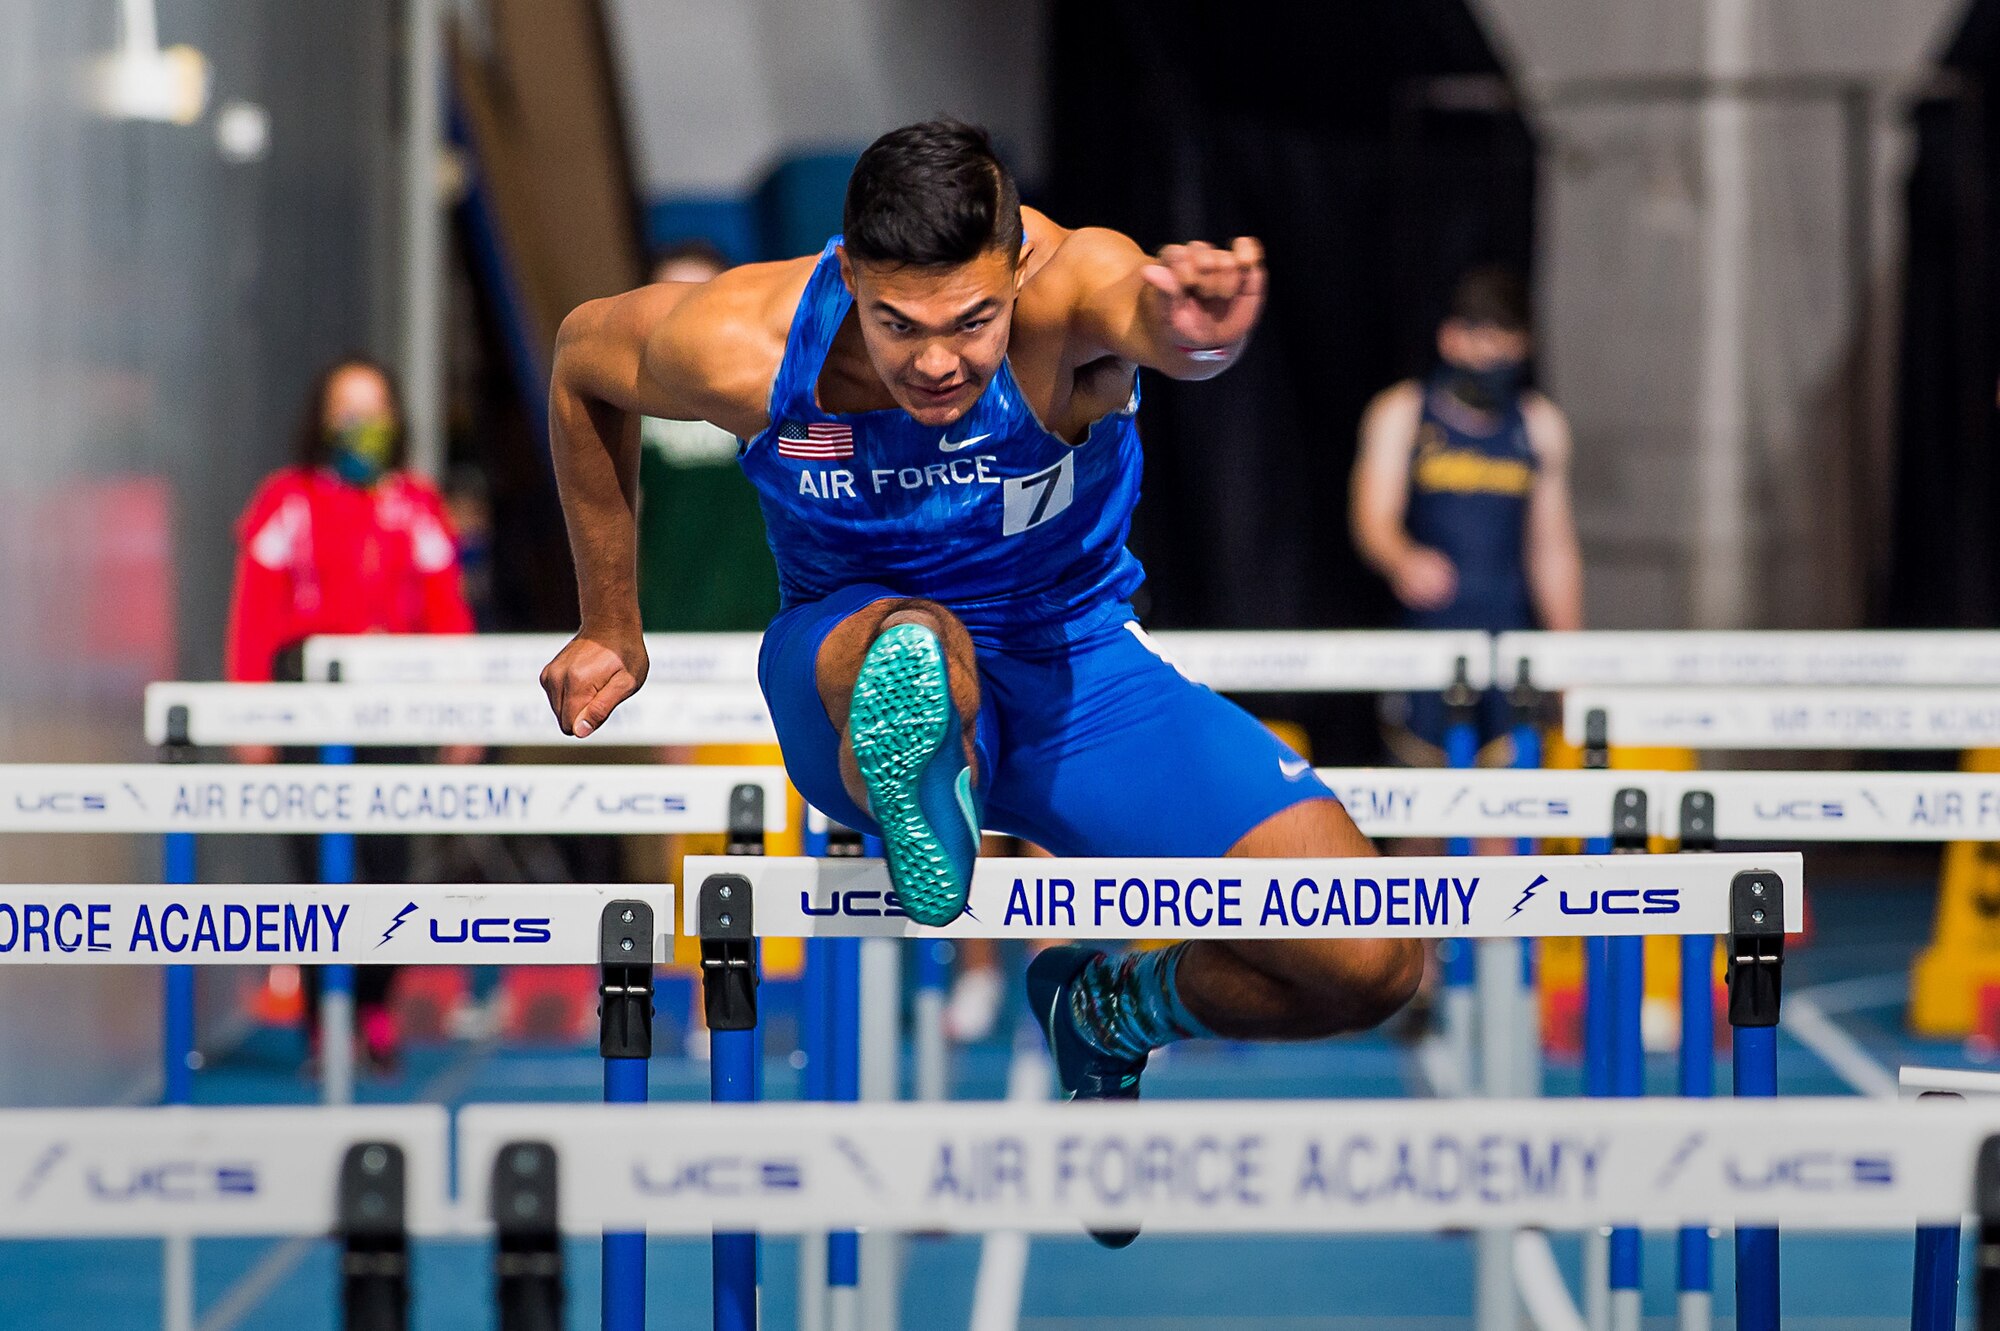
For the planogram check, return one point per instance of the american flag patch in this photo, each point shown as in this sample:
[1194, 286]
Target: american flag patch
[815, 441]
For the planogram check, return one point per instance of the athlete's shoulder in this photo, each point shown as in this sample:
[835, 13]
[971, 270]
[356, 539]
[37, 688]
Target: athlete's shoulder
[1548, 427]
[1400, 404]
[725, 337]
[1079, 260]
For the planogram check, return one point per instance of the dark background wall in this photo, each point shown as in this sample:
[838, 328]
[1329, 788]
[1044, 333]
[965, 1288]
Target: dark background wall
[1332, 148]
[1945, 564]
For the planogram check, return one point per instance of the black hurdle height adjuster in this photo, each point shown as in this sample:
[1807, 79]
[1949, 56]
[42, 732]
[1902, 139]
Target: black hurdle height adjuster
[373, 1230]
[746, 820]
[1628, 821]
[1986, 1255]
[625, 980]
[1461, 700]
[728, 952]
[1697, 821]
[1756, 947]
[1524, 700]
[527, 1256]
[1596, 739]
[179, 748]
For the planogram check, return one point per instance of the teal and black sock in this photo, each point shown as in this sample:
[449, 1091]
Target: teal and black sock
[1130, 1005]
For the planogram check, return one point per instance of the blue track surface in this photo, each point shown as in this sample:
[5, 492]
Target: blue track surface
[1172, 1284]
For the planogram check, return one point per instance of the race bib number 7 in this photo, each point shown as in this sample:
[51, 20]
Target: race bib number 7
[1032, 500]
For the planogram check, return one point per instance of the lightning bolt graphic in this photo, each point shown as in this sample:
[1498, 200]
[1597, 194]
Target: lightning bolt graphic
[397, 923]
[1528, 894]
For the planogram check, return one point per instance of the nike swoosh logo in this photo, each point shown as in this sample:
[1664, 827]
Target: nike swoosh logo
[1294, 768]
[947, 446]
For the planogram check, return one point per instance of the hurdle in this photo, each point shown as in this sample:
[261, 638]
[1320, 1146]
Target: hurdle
[369, 1177]
[181, 717]
[1508, 897]
[1457, 664]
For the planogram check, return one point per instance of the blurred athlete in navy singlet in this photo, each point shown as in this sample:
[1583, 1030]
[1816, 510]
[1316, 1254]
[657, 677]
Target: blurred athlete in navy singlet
[937, 411]
[1461, 496]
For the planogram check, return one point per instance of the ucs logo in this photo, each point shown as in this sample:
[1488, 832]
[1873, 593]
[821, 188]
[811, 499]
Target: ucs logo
[721, 1176]
[487, 929]
[173, 1181]
[61, 801]
[1527, 806]
[1622, 901]
[1800, 811]
[857, 904]
[642, 803]
[1812, 1171]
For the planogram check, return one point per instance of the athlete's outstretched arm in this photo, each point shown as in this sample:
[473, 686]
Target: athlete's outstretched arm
[1554, 556]
[1186, 312]
[647, 352]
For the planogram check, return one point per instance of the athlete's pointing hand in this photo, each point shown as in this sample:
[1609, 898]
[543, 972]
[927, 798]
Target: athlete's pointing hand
[1209, 298]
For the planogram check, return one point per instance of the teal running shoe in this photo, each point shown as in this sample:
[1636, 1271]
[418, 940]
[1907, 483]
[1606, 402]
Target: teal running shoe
[907, 741]
[1082, 1070]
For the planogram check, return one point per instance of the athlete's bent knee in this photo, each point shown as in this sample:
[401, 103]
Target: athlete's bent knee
[1375, 979]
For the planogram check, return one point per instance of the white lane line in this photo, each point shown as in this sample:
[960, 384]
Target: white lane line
[1807, 1018]
[1003, 1256]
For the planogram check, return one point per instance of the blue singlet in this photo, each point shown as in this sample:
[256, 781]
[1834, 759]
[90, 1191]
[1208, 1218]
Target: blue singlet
[1089, 742]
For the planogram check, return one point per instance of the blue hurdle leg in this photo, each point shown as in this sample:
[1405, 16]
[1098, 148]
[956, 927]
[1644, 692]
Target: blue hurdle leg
[178, 1031]
[1754, 1060]
[1597, 1081]
[336, 997]
[732, 1079]
[1694, 1275]
[623, 1295]
[843, 1248]
[1627, 966]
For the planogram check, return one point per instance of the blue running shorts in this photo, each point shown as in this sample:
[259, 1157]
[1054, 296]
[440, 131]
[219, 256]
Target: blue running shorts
[1101, 747]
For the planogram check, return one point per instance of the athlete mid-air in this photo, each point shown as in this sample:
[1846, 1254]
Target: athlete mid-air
[938, 413]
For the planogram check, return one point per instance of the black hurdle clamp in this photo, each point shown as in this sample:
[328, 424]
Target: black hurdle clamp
[842, 842]
[1986, 1255]
[372, 1227]
[746, 820]
[1524, 699]
[1596, 739]
[1698, 821]
[1461, 700]
[625, 980]
[1756, 947]
[728, 952]
[527, 1257]
[178, 748]
[1628, 821]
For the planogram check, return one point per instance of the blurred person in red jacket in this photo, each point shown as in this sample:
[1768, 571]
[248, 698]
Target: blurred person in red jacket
[345, 541]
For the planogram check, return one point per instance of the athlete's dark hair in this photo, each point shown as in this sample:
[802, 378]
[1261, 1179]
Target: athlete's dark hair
[1494, 294]
[309, 442]
[932, 195]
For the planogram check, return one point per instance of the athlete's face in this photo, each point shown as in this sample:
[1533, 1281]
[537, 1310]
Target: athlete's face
[935, 336]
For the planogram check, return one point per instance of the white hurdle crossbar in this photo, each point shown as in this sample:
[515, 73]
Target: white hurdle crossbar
[1735, 658]
[1275, 661]
[387, 798]
[1524, 896]
[424, 714]
[181, 1171]
[1749, 806]
[418, 924]
[1243, 1166]
[1821, 718]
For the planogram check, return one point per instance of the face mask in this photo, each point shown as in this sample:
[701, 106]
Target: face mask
[1490, 389]
[361, 452]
